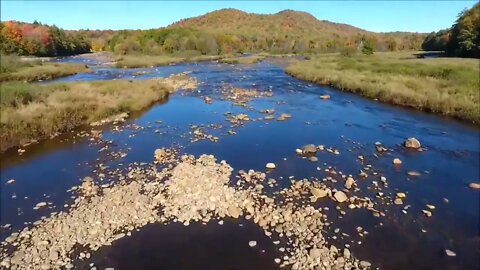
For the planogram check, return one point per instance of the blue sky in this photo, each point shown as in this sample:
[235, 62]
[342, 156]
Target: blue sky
[379, 16]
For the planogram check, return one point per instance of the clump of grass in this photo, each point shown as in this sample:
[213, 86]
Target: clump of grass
[244, 60]
[13, 68]
[447, 86]
[30, 112]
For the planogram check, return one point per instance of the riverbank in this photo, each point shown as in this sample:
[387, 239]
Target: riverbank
[34, 112]
[447, 86]
[14, 68]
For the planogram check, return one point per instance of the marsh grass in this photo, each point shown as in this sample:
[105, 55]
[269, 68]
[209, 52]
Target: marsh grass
[32, 111]
[448, 86]
[13, 68]
[141, 61]
[244, 60]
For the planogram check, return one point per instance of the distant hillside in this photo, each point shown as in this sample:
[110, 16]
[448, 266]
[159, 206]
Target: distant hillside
[230, 31]
[289, 22]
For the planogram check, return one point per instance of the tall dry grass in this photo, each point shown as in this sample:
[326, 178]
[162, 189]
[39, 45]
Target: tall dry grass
[448, 86]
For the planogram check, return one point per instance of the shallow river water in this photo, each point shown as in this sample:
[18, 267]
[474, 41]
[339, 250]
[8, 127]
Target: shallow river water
[346, 122]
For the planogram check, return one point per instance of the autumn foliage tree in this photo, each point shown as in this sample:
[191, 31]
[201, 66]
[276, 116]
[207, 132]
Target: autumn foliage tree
[39, 40]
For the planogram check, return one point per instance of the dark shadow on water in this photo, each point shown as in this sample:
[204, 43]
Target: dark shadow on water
[196, 247]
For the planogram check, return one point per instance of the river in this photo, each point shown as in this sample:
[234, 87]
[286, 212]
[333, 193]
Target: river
[347, 122]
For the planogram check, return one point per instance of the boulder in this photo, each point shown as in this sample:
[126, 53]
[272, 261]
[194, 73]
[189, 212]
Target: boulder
[412, 143]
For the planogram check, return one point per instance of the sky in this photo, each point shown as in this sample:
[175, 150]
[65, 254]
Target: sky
[377, 16]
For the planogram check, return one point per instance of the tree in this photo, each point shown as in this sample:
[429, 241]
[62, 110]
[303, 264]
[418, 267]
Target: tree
[206, 44]
[465, 34]
[366, 47]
